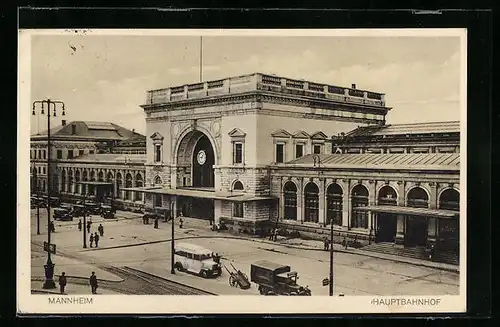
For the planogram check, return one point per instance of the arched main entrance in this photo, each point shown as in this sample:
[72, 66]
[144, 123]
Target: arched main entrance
[416, 226]
[386, 222]
[197, 156]
[196, 159]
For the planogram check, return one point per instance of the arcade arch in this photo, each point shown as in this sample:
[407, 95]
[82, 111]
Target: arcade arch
[311, 196]
[359, 198]
[290, 200]
[334, 204]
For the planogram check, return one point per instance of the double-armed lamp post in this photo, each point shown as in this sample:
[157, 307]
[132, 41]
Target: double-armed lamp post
[51, 105]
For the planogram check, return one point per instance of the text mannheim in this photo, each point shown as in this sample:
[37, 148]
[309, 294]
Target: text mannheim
[260, 151]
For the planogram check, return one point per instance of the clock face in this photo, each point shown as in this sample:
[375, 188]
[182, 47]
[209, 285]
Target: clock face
[202, 157]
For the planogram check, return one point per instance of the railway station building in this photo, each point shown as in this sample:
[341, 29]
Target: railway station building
[259, 151]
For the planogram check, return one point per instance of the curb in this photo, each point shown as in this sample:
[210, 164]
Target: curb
[41, 279]
[418, 264]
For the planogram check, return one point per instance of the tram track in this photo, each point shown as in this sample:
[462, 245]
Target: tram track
[135, 282]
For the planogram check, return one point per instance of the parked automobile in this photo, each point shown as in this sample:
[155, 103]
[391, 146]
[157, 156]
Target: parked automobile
[55, 201]
[78, 210]
[62, 214]
[196, 259]
[276, 279]
[93, 208]
[107, 212]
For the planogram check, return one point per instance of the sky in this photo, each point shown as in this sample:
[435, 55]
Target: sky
[105, 77]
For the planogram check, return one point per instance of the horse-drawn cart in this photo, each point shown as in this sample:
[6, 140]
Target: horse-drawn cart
[238, 278]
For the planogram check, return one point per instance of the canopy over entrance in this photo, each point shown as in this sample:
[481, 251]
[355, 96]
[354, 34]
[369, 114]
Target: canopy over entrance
[197, 193]
[412, 211]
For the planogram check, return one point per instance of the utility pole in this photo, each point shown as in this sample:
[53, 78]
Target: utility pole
[331, 258]
[172, 250]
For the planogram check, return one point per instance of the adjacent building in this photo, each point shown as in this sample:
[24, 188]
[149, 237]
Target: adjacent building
[89, 151]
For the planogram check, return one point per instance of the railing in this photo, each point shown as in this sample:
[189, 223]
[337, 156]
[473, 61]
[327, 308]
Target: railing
[266, 83]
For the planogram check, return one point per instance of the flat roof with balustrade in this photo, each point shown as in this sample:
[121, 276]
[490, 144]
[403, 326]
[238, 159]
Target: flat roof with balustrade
[266, 83]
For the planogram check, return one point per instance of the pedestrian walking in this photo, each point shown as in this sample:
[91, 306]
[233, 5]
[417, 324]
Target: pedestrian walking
[101, 230]
[93, 283]
[180, 222]
[96, 239]
[326, 244]
[271, 234]
[62, 282]
[432, 251]
[89, 224]
[275, 237]
[52, 227]
[91, 239]
[156, 223]
[80, 225]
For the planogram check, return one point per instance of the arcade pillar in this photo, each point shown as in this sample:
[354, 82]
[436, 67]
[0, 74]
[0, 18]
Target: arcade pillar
[400, 230]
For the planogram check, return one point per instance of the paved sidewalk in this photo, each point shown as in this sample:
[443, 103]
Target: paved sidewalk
[72, 267]
[71, 289]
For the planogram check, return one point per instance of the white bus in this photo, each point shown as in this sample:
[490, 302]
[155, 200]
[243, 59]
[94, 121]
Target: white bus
[195, 259]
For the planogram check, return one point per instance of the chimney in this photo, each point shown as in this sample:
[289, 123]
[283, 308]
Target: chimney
[63, 122]
[133, 130]
[73, 129]
[353, 86]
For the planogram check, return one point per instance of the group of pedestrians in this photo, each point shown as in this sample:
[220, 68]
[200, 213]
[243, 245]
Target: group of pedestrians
[92, 281]
[94, 237]
[273, 234]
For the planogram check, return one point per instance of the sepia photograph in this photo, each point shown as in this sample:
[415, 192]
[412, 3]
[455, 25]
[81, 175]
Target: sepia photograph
[242, 171]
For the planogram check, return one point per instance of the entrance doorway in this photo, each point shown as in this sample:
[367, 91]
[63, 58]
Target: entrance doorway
[386, 227]
[196, 207]
[203, 162]
[416, 231]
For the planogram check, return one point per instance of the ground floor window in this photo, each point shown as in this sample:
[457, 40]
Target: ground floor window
[238, 209]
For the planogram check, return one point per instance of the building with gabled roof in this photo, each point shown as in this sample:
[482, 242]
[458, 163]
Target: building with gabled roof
[89, 150]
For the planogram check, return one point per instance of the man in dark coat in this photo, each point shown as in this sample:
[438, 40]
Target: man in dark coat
[96, 239]
[101, 229]
[156, 223]
[93, 283]
[62, 282]
[89, 224]
[80, 225]
[91, 239]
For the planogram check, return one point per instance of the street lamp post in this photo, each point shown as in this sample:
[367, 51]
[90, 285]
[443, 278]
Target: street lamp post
[172, 250]
[49, 266]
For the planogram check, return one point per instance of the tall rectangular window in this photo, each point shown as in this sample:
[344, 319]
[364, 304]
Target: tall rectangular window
[317, 149]
[59, 154]
[70, 154]
[280, 153]
[299, 150]
[39, 154]
[238, 153]
[238, 209]
[157, 153]
[44, 154]
[80, 152]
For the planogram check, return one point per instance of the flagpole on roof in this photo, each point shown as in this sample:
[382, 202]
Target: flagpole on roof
[201, 59]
